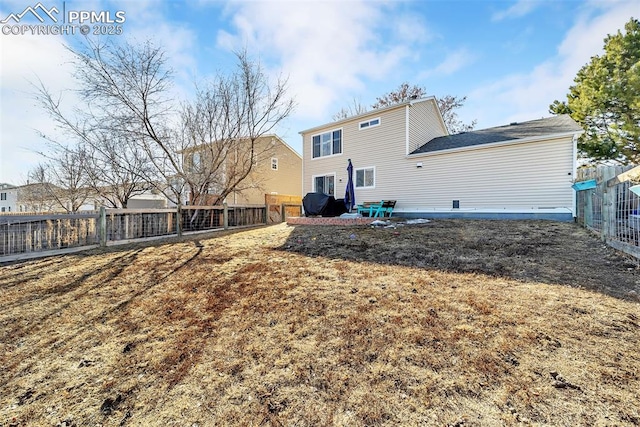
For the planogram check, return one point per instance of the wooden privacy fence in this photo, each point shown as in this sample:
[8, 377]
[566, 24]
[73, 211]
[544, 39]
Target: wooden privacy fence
[24, 234]
[280, 207]
[608, 207]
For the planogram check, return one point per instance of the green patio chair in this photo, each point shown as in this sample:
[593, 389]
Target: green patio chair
[369, 209]
[385, 208]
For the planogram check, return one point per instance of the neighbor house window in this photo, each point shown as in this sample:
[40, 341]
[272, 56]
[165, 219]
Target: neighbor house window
[3, 196]
[327, 144]
[324, 184]
[365, 178]
[196, 161]
[274, 163]
[370, 123]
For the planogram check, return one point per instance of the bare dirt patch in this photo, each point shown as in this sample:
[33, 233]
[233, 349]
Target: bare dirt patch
[448, 323]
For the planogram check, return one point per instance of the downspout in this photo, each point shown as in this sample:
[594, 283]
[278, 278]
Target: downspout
[406, 125]
[303, 160]
[575, 174]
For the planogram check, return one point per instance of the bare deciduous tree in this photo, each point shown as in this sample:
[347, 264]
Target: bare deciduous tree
[115, 168]
[447, 105]
[203, 148]
[63, 178]
[355, 108]
[220, 129]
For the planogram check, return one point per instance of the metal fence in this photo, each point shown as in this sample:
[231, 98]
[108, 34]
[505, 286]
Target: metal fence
[131, 224]
[608, 207]
[21, 235]
[35, 233]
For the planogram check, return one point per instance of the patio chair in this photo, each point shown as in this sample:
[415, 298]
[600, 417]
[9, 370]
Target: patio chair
[368, 208]
[385, 208]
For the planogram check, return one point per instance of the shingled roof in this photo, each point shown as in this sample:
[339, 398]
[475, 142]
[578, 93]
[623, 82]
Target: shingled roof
[560, 124]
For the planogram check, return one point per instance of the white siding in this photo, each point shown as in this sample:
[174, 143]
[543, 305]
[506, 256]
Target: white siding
[522, 176]
[425, 124]
[381, 146]
[519, 176]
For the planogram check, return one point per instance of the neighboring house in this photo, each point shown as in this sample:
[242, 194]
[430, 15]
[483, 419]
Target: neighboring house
[404, 153]
[38, 198]
[277, 170]
[148, 200]
[8, 198]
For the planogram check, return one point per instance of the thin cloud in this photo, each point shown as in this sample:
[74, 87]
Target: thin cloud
[453, 62]
[27, 58]
[518, 10]
[21, 117]
[527, 96]
[325, 63]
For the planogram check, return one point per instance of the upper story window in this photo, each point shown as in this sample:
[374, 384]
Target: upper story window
[3, 196]
[370, 123]
[274, 163]
[197, 160]
[327, 144]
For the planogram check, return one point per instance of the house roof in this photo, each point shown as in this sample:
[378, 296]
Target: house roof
[260, 138]
[556, 125]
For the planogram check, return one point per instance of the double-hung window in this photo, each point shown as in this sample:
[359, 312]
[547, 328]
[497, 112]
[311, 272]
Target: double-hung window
[327, 144]
[366, 177]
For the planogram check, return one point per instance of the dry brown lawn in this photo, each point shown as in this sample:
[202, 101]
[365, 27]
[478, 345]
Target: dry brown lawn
[451, 323]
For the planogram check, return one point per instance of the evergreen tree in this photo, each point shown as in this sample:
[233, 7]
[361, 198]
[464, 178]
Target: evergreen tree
[605, 100]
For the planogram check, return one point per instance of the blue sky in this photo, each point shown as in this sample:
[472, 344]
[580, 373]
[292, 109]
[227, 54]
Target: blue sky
[510, 58]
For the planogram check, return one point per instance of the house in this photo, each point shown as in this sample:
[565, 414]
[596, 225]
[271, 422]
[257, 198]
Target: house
[8, 198]
[404, 153]
[45, 197]
[276, 170]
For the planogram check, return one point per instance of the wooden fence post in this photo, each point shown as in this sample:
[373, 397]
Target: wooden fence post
[225, 215]
[608, 205]
[103, 226]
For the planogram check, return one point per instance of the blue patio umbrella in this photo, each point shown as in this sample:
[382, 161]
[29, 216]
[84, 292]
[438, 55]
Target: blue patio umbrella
[349, 195]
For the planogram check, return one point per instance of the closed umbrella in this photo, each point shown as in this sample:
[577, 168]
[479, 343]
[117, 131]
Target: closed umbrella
[349, 195]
